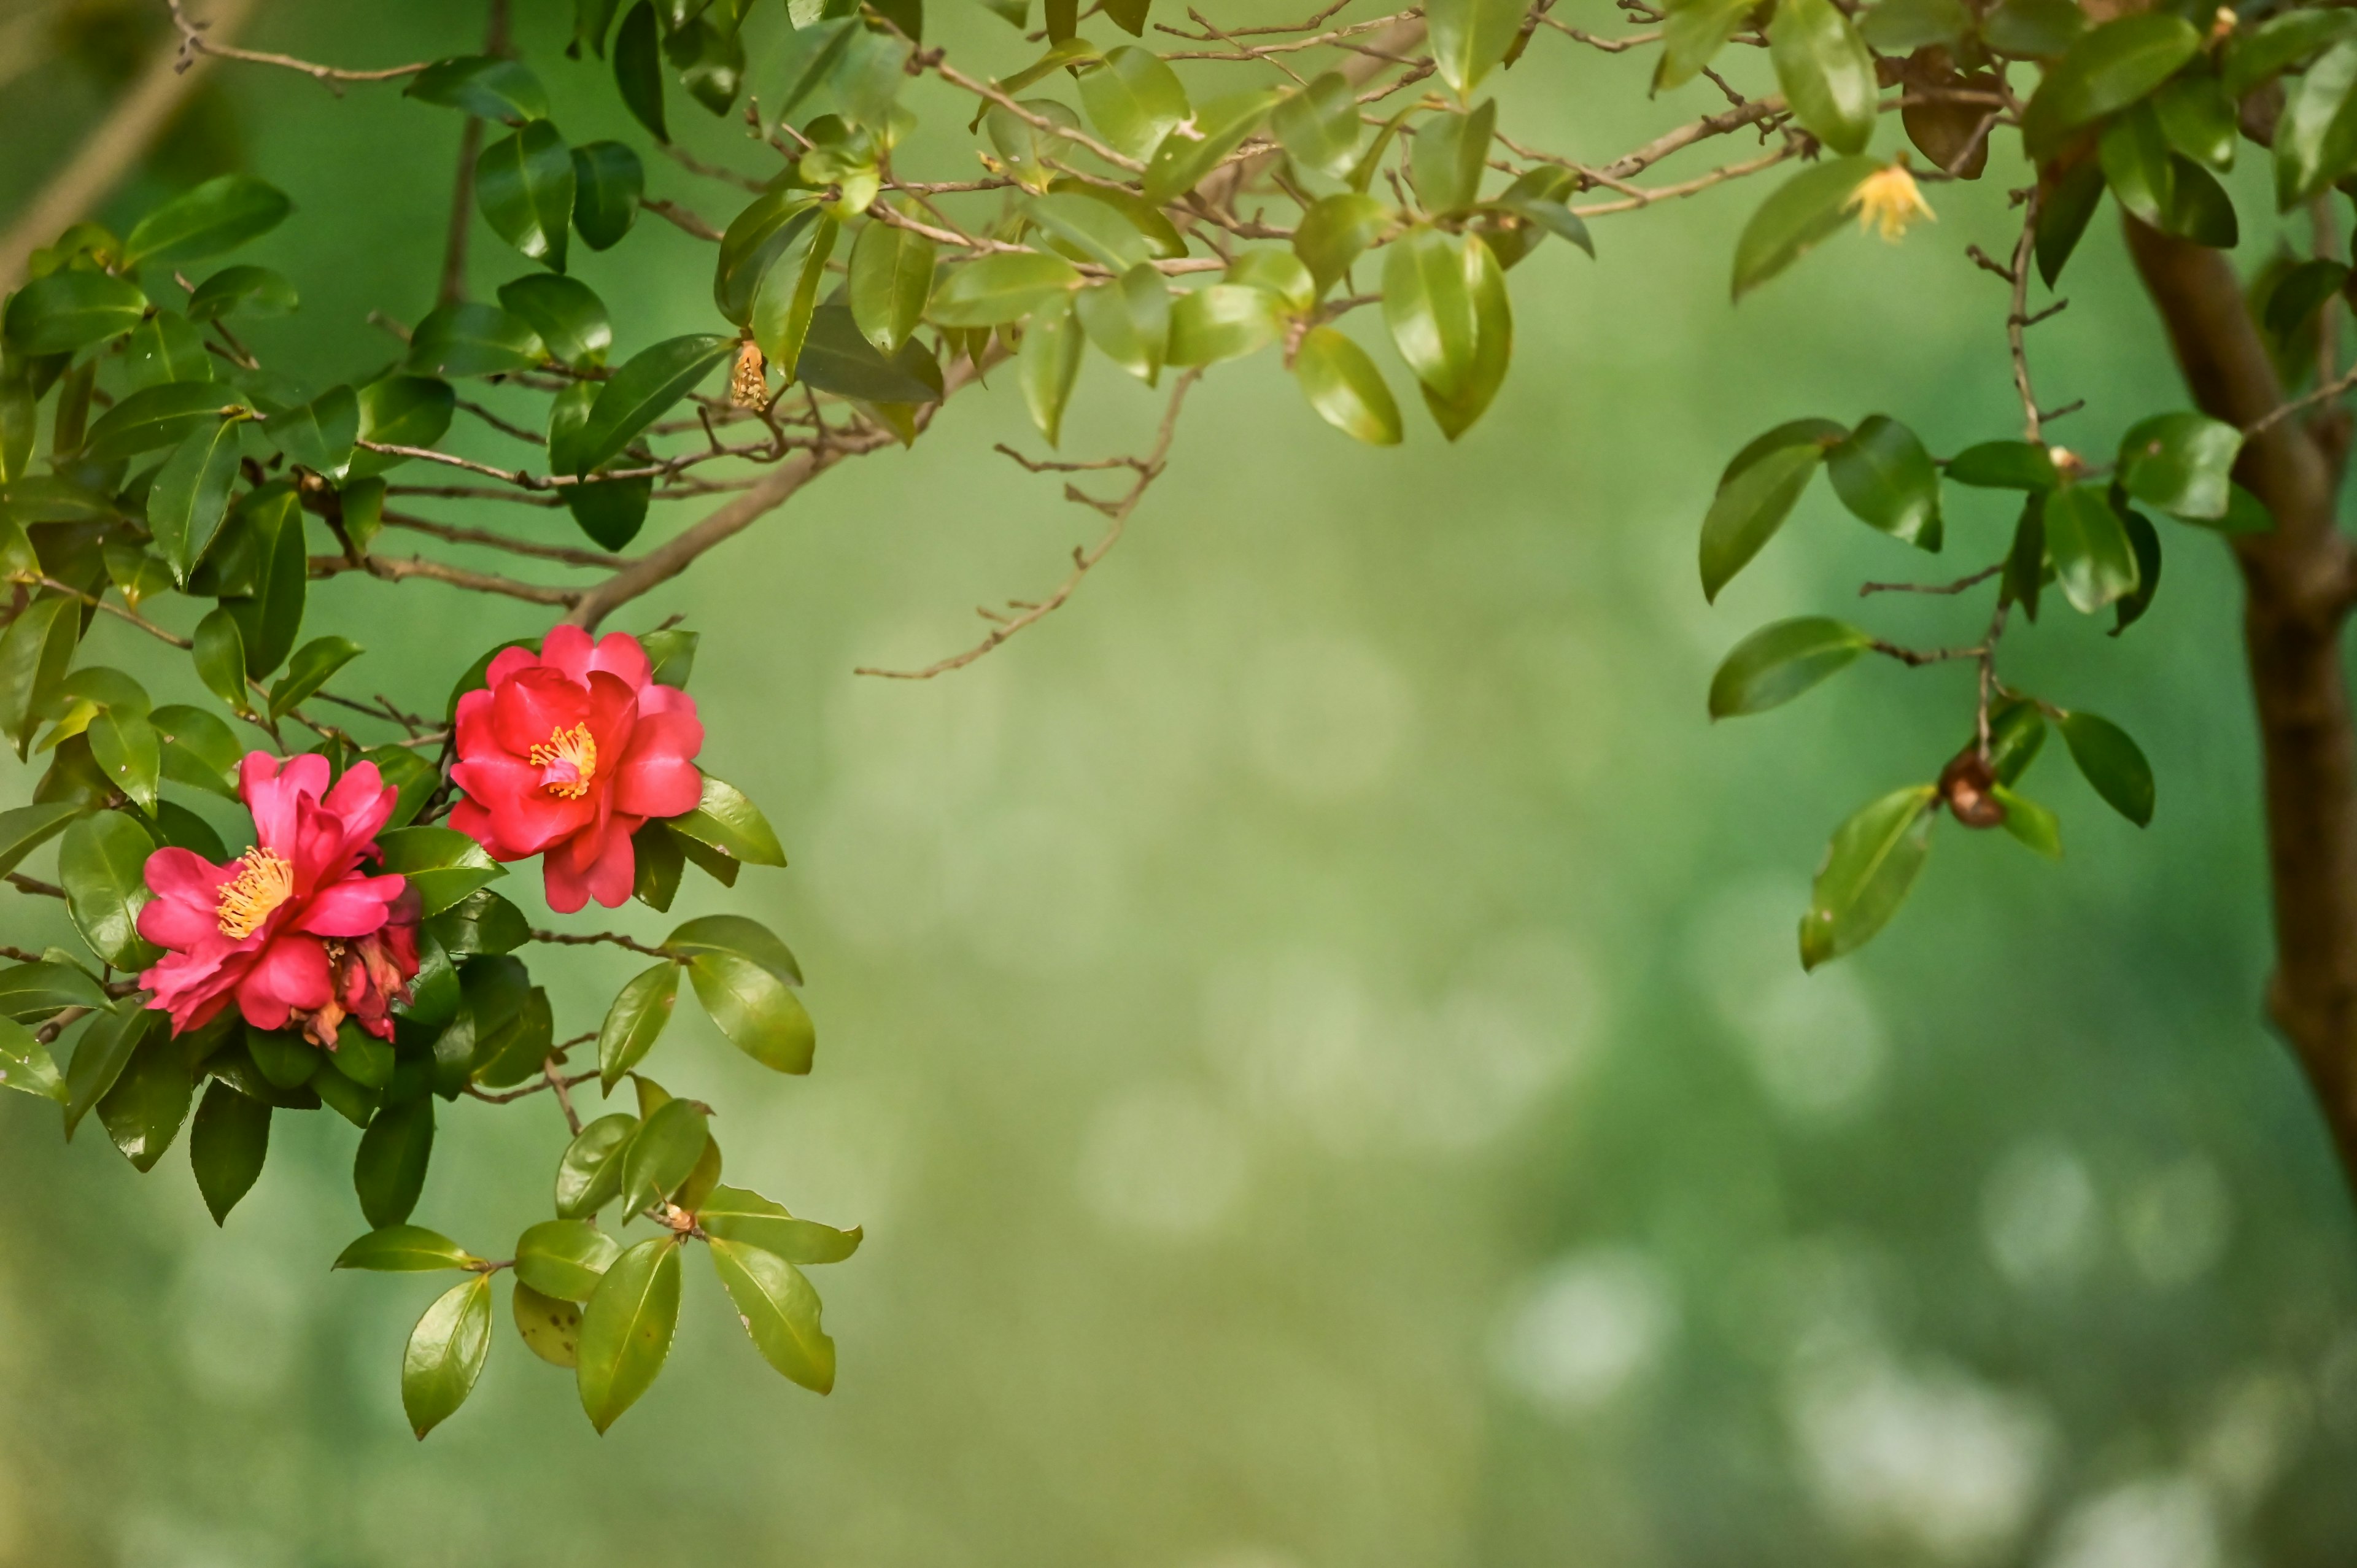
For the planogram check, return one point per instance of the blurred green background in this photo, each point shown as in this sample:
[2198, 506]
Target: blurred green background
[1312, 1030]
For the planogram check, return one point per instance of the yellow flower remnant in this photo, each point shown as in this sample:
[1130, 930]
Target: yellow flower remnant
[1891, 199]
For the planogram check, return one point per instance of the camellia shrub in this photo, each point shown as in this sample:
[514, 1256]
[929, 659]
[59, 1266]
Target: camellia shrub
[1344, 192]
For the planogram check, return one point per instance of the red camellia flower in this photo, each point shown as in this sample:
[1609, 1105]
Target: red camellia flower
[567, 753]
[292, 928]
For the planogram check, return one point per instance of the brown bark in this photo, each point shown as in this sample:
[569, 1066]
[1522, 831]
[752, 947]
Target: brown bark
[2297, 592]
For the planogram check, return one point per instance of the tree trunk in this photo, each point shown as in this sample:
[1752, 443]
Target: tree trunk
[2297, 590]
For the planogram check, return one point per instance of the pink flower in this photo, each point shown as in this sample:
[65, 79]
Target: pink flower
[291, 929]
[567, 755]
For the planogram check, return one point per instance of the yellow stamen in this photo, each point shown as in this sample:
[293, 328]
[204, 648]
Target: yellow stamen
[264, 880]
[567, 748]
[1889, 198]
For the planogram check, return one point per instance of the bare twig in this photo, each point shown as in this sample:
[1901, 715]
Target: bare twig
[611, 939]
[1958, 586]
[204, 37]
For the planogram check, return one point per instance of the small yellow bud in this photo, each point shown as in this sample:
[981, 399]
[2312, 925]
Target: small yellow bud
[1891, 199]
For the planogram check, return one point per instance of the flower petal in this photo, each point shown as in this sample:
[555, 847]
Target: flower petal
[620, 655]
[534, 706]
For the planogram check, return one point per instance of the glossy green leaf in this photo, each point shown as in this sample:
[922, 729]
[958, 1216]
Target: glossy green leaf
[107, 1045]
[228, 1142]
[1048, 363]
[1161, 235]
[219, 215]
[101, 864]
[590, 1174]
[2139, 165]
[663, 1154]
[473, 339]
[787, 303]
[1089, 229]
[190, 495]
[27, 828]
[735, 1214]
[2030, 822]
[1448, 155]
[2316, 137]
[2093, 562]
[608, 183]
[389, 1171]
[402, 411]
[198, 749]
[524, 187]
[2254, 54]
[891, 275]
[2105, 71]
[271, 618]
[481, 922]
[1882, 473]
[2181, 463]
[1826, 72]
[309, 669]
[779, 1311]
[635, 1021]
[725, 821]
[143, 1112]
[1000, 288]
[2005, 466]
[1429, 307]
[32, 991]
[562, 315]
[318, 435]
[627, 1329]
[2111, 762]
[1318, 125]
[443, 864]
[445, 1355]
[1692, 31]
[755, 1009]
[246, 290]
[67, 311]
[1797, 216]
[551, 1328]
[1225, 321]
[755, 241]
[161, 415]
[1755, 498]
[643, 391]
[1868, 870]
[1343, 385]
[2033, 29]
[2199, 119]
[1468, 38]
[492, 86]
[34, 652]
[1780, 661]
[565, 1258]
[129, 752]
[1129, 321]
[638, 68]
[26, 1065]
[1219, 127]
[1902, 27]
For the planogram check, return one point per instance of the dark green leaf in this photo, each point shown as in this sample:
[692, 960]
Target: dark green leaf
[727, 822]
[69, 311]
[1882, 473]
[144, 1111]
[219, 215]
[638, 68]
[27, 828]
[129, 752]
[607, 181]
[523, 187]
[2181, 463]
[468, 339]
[643, 389]
[2111, 762]
[2033, 29]
[161, 415]
[101, 863]
[662, 1155]
[190, 496]
[891, 275]
[1826, 72]
[1753, 502]
[2093, 562]
[308, 669]
[319, 435]
[755, 241]
[2005, 466]
[1902, 26]
[635, 1020]
[1777, 662]
[1868, 870]
[2105, 70]
[492, 86]
[34, 652]
[754, 1008]
[1795, 218]
[402, 411]
[389, 1171]
[227, 1144]
[106, 1048]
[589, 1176]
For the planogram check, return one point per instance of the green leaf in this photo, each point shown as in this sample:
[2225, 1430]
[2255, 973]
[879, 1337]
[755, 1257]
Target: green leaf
[1902, 27]
[1345, 388]
[607, 182]
[551, 1328]
[490, 85]
[2094, 563]
[227, 1144]
[198, 749]
[565, 1258]
[2199, 119]
[626, 1331]
[442, 864]
[129, 752]
[1868, 870]
[144, 1111]
[2295, 298]
[308, 669]
[1429, 307]
[1692, 31]
[2137, 165]
[445, 1353]
[69, 311]
[725, 821]
[2105, 71]
[220, 657]
[320, 434]
[523, 187]
[404, 1248]
[1226, 321]
[1134, 100]
[662, 1155]
[2256, 54]
[107, 1045]
[256, 291]
[2005, 466]
[2316, 137]
[1129, 321]
[389, 1171]
[1089, 229]
[638, 68]
[787, 299]
[1448, 156]
[1221, 127]
[1468, 36]
[2030, 822]
[167, 348]
[402, 411]
[479, 923]
[780, 1310]
[190, 496]
[468, 339]
[634, 1022]
[589, 1175]
[891, 275]
[27, 828]
[644, 390]
[1048, 363]
[34, 652]
[1799, 214]
[1161, 236]
[754, 1008]
[2024, 561]
[610, 512]
[1826, 72]
[807, 58]
[26, 1064]
[999, 288]
[1780, 661]
[2111, 762]
[219, 215]
[1882, 473]
[1066, 50]
[2033, 29]
[1455, 411]
[737, 935]
[30, 991]
[755, 241]
[102, 865]
[2181, 463]
[734, 1214]
[1756, 496]
[161, 415]
[836, 359]
[1318, 125]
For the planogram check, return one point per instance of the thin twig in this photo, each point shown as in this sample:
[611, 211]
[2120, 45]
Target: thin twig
[613, 938]
[1958, 586]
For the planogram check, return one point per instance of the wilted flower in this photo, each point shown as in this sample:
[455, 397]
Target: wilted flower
[1890, 198]
[567, 753]
[293, 930]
